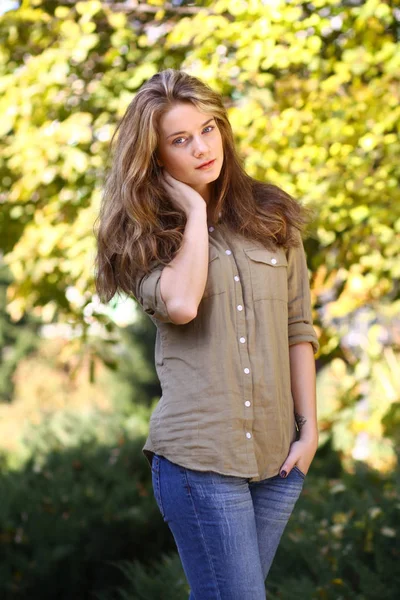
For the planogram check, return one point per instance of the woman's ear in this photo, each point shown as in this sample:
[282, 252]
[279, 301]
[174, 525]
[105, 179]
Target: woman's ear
[158, 161]
[157, 165]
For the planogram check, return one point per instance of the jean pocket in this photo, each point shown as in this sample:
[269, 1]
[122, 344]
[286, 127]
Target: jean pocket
[296, 468]
[155, 478]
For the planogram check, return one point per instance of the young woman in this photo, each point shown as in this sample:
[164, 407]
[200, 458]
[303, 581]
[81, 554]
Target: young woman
[216, 260]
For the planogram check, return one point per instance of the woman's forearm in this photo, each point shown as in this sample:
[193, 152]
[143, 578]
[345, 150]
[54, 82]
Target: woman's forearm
[302, 375]
[183, 280]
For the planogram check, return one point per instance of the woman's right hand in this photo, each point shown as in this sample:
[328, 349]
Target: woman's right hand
[182, 195]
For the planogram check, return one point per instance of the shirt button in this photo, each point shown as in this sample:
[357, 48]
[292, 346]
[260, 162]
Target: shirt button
[228, 251]
[247, 403]
[248, 435]
[242, 340]
[236, 278]
[246, 370]
[211, 228]
[240, 307]
[274, 261]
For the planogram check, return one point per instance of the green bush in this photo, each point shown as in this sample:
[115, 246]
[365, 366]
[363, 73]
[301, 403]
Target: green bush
[164, 580]
[75, 508]
[342, 540]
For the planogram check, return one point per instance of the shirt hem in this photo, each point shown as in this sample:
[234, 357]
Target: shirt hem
[188, 464]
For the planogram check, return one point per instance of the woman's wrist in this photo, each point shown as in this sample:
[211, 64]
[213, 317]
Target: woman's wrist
[197, 211]
[308, 428]
[309, 435]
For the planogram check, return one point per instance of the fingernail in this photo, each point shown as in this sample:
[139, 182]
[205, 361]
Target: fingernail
[283, 473]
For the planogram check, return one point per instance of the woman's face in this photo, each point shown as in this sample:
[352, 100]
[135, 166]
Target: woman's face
[190, 147]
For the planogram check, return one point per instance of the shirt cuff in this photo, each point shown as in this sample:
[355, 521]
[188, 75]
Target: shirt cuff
[149, 296]
[303, 332]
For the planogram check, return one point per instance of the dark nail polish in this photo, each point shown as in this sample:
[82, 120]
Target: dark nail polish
[283, 473]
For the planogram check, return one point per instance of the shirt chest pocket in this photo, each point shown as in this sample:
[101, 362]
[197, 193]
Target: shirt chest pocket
[268, 273]
[214, 284]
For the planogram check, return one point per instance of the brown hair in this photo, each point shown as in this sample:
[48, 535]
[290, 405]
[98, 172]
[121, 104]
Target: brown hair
[138, 223]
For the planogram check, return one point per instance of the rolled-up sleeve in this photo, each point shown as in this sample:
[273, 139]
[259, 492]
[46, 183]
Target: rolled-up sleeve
[299, 298]
[147, 292]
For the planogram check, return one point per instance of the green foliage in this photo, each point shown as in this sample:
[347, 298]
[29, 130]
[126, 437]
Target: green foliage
[314, 94]
[391, 424]
[164, 580]
[66, 75]
[346, 417]
[82, 501]
[342, 540]
[135, 379]
[17, 340]
[312, 90]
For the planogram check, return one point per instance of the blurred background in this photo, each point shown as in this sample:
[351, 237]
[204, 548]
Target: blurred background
[314, 100]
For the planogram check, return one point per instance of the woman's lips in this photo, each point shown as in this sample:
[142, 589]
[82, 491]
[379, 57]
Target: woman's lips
[207, 165]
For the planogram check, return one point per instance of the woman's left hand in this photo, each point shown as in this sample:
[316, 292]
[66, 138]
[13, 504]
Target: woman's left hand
[301, 453]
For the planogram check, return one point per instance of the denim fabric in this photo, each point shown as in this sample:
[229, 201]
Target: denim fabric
[226, 528]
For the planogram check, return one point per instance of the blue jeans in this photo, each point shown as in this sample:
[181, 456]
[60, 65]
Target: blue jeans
[226, 529]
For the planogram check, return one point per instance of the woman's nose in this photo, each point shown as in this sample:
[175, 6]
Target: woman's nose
[200, 146]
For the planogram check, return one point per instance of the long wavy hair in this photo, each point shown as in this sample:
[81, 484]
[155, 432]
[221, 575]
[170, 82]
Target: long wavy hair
[138, 225]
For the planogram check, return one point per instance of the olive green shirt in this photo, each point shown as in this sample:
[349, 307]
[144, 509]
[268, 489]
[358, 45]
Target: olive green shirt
[226, 403]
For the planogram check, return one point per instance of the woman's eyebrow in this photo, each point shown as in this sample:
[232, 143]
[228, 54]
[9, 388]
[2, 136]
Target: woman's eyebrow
[180, 132]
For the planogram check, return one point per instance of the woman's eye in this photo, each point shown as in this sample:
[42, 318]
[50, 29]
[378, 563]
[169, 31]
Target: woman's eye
[208, 128]
[178, 141]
